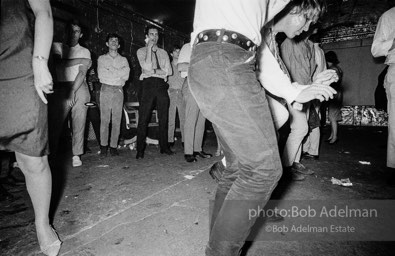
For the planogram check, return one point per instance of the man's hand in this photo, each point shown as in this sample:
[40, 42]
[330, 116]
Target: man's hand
[326, 77]
[150, 44]
[315, 91]
[42, 78]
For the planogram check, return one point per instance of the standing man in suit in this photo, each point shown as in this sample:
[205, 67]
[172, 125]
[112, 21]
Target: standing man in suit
[155, 67]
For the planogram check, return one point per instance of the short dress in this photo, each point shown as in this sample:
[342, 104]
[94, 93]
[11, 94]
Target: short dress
[335, 104]
[23, 116]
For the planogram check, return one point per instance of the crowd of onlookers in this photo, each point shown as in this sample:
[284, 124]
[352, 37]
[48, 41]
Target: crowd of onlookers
[163, 87]
[217, 81]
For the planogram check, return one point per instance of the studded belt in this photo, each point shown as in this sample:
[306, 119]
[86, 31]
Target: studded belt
[225, 36]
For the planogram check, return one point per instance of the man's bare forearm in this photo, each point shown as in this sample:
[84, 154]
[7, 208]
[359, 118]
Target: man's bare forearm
[79, 80]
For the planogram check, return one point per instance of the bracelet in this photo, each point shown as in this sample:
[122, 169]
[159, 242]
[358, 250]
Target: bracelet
[39, 57]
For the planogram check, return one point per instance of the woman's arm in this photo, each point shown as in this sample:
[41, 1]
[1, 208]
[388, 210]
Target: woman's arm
[42, 45]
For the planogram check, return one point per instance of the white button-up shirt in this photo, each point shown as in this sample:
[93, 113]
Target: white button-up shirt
[68, 74]
[113, 71]
[383, 41]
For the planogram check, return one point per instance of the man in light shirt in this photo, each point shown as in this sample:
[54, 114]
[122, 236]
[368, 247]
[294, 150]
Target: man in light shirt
[299, 58]
[312, 142]
[194, 119]
[223, 82]
[384, 45]
[113, 71]
[71, 91]
[155, 67]
[175, 95]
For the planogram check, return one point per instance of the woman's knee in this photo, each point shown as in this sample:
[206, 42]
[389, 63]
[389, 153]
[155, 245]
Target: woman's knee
[32, 164]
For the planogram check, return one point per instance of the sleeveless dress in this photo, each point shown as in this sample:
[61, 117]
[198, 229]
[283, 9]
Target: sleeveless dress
[335, 104]
[23, 116]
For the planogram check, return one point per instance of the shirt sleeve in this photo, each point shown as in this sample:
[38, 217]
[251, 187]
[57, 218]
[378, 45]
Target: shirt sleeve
[320, 60]
[124, 71]
[185, 54]
[274, 79]
[167, 67]
[86, 54]
[382, 41]
[141, 54]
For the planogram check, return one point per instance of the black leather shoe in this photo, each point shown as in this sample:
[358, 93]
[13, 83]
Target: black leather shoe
[202, 154]
[167, 152]
[139, 155]
[170, 144]
[114, 152]
[306, 155]
[103, 151]
[190, 158]
[216, 171]
[290, 174]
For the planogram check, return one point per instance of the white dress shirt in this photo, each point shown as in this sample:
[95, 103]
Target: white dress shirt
[113, 71]
[68, 74]
[383, 41]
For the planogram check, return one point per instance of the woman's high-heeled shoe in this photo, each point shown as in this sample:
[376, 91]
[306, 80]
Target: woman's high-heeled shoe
[53, 248]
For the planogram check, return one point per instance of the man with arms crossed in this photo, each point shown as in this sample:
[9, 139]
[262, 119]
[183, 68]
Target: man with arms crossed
[113, 71]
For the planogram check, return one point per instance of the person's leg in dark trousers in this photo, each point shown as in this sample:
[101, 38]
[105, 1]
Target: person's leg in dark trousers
[58, 109]
[162, 106]
[145, 111]
[93, 117]
[224, 84]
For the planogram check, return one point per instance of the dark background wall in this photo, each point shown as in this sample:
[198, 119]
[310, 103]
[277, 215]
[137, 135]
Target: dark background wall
[348, 29]
[360, 70]
[102, 17]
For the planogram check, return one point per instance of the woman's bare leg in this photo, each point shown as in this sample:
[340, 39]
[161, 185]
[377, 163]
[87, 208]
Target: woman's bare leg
[39, 186]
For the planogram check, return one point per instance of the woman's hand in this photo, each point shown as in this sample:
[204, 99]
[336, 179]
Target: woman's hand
[42, 78]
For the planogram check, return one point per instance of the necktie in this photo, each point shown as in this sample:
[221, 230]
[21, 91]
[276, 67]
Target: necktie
[156, 65]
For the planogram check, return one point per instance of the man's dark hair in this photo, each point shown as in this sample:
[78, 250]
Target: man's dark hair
[311, 9]
[174, 47]
[331, 57]
[113, 35]
[74, 22]
[147, 28]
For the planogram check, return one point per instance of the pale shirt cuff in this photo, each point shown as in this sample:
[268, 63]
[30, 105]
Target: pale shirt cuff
[381, 48]
[274, 79]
